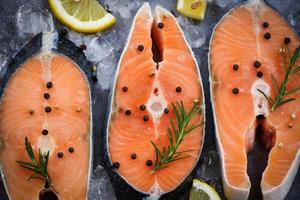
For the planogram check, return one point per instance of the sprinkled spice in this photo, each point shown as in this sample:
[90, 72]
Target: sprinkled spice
[160, 25]
[56, 107]
[166, 110]
[287, 40]
[259, 74]
[152, 74]
[235, 67]
[31, 111]
[82, 47]
[140, 47]
[280, 145]
[78, 109]
[257, 64]
[265, 24]
[267, 36]
[45, 132]
[128, 112]
[149, 163]
[71, 150]
[133, 156]
[235, 90]
[46, 95]
[48, 109]
[94, 68]
[143, 107]
[124, 89]
[145, 118]
[178, 89]
[293, 116]
[116, 165]
[290, 125]
[49, 85]
[60, 154]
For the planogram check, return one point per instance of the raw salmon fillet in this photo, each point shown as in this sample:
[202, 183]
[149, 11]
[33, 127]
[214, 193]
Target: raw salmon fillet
[142, 82]
[249, 33]
[23, 114]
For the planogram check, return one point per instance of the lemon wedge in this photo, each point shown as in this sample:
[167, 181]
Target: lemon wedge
[194, 9]
[201, 190]
[85, 16]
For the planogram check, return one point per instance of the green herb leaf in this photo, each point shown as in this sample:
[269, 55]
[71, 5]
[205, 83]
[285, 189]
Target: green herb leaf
[176, 136]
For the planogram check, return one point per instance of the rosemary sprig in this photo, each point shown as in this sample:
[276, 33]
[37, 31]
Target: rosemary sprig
[176, 135]
[281, 91]
[39, 168]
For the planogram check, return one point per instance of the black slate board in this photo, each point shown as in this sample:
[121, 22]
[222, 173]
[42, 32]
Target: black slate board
[101, 97]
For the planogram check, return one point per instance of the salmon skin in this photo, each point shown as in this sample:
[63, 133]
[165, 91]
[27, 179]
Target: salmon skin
[141, 109]
[246, 48]
[46, 97]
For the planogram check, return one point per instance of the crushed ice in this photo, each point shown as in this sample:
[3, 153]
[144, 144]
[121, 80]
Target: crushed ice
[100, 186]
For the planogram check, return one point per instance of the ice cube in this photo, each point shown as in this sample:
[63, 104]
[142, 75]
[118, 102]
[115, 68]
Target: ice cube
[226, 3]
[98, 48]
[124, 12]
[33, 20]
[105, 71]
[75, 37]
[195, 36]
[100, 186]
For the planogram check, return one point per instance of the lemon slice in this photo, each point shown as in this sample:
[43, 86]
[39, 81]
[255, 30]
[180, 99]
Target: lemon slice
[194, 9]
[203, 191]
[85, 16]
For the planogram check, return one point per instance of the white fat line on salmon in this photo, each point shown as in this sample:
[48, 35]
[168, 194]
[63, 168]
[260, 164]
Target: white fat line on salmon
[255, 7]
[156, 103]
[260, 103]
[46, 142]
[49, 41]
[46, 59]
[155, 191]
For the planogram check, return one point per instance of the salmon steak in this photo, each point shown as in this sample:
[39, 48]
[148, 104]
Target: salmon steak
[253, 63]
[46, 99]
[141, 107]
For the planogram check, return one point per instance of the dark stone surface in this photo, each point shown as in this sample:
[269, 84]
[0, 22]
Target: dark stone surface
[209, 168]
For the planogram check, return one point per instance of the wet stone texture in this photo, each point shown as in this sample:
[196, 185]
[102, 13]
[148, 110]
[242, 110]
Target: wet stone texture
[18, 24]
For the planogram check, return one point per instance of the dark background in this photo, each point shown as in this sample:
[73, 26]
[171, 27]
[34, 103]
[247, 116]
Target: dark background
[209, 162]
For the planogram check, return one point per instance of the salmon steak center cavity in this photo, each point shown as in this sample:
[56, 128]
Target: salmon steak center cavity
[141, 110]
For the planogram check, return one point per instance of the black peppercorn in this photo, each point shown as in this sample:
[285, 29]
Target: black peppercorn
[128, 112]
[265, 24]
[124, 89]
[141, 47]
[235, 90]
[116, 165]
[160, 25]
[45, 132]
[178, 89]
[143, 107]
[287, 40]
[267, 36]
[145, 118]
[71, 150]
[235, 67]
[49, 85]
[48, 109]
[133, 156]
[149, 163]
[259, 74]
[60, 154]
[83, 47]
[46, 95]
[166, 110]
[257, 64]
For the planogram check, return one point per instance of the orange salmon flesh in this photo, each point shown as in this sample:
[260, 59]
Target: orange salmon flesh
[153, 85]
[23, 114]
[241, 39]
